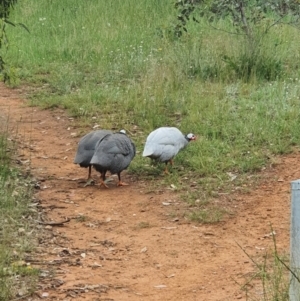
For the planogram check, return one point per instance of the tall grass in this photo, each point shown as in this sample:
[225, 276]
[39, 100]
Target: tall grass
[271, 279]
[117, 64]
[16, 278]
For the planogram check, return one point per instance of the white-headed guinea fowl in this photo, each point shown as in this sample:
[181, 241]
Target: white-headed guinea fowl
[164, 143]
[113, 153]
[86, 148]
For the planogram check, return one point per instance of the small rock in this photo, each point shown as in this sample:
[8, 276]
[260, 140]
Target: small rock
[208, 233]
[44, 274]
[169, 228]
[45, 295]
[21, 293]
[96, 265]
[144, 250]
[232, 176]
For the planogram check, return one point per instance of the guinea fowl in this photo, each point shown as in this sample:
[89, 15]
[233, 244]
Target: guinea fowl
[86, 148]
[164, 143]
[113, 153]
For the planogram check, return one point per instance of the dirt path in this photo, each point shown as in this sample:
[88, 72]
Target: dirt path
[123, 243]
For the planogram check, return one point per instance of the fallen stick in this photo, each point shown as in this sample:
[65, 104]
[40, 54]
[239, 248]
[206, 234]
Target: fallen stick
[54, 223]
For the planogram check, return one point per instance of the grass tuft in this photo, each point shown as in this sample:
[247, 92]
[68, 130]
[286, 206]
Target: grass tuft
[271, 279]
[207, 215]
[16, 276]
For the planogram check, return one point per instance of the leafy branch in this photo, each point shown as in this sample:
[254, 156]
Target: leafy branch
[244, 15]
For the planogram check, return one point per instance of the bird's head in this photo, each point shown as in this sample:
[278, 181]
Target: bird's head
[123, 132]
[190, 137]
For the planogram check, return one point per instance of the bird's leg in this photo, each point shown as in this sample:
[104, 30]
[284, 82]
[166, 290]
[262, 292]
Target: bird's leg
[171, 162]
[89, 180]
[120, 182]
[90, 171]
[166, 169]
[102, 179]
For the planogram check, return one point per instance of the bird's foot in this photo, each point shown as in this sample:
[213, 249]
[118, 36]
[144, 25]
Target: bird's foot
[122, 184]
[166, 172]
[102, 183]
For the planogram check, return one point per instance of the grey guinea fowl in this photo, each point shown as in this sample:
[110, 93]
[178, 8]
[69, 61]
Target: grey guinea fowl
[113, 153]
[86, 148]
[164, 143]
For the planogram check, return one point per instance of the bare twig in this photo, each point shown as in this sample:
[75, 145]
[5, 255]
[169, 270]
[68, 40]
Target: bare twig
[227, 31]
[53, 207]
[274, 23]
[22, 297]
[54, 223]
[246, 26]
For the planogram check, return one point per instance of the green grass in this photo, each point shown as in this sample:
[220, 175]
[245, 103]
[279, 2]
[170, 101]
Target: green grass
[15, 195]
[81, 218]
[207, 216]
[117, 65]
[271, 279]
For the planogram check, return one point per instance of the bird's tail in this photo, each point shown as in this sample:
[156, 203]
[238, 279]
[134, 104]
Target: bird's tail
[148, 151]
